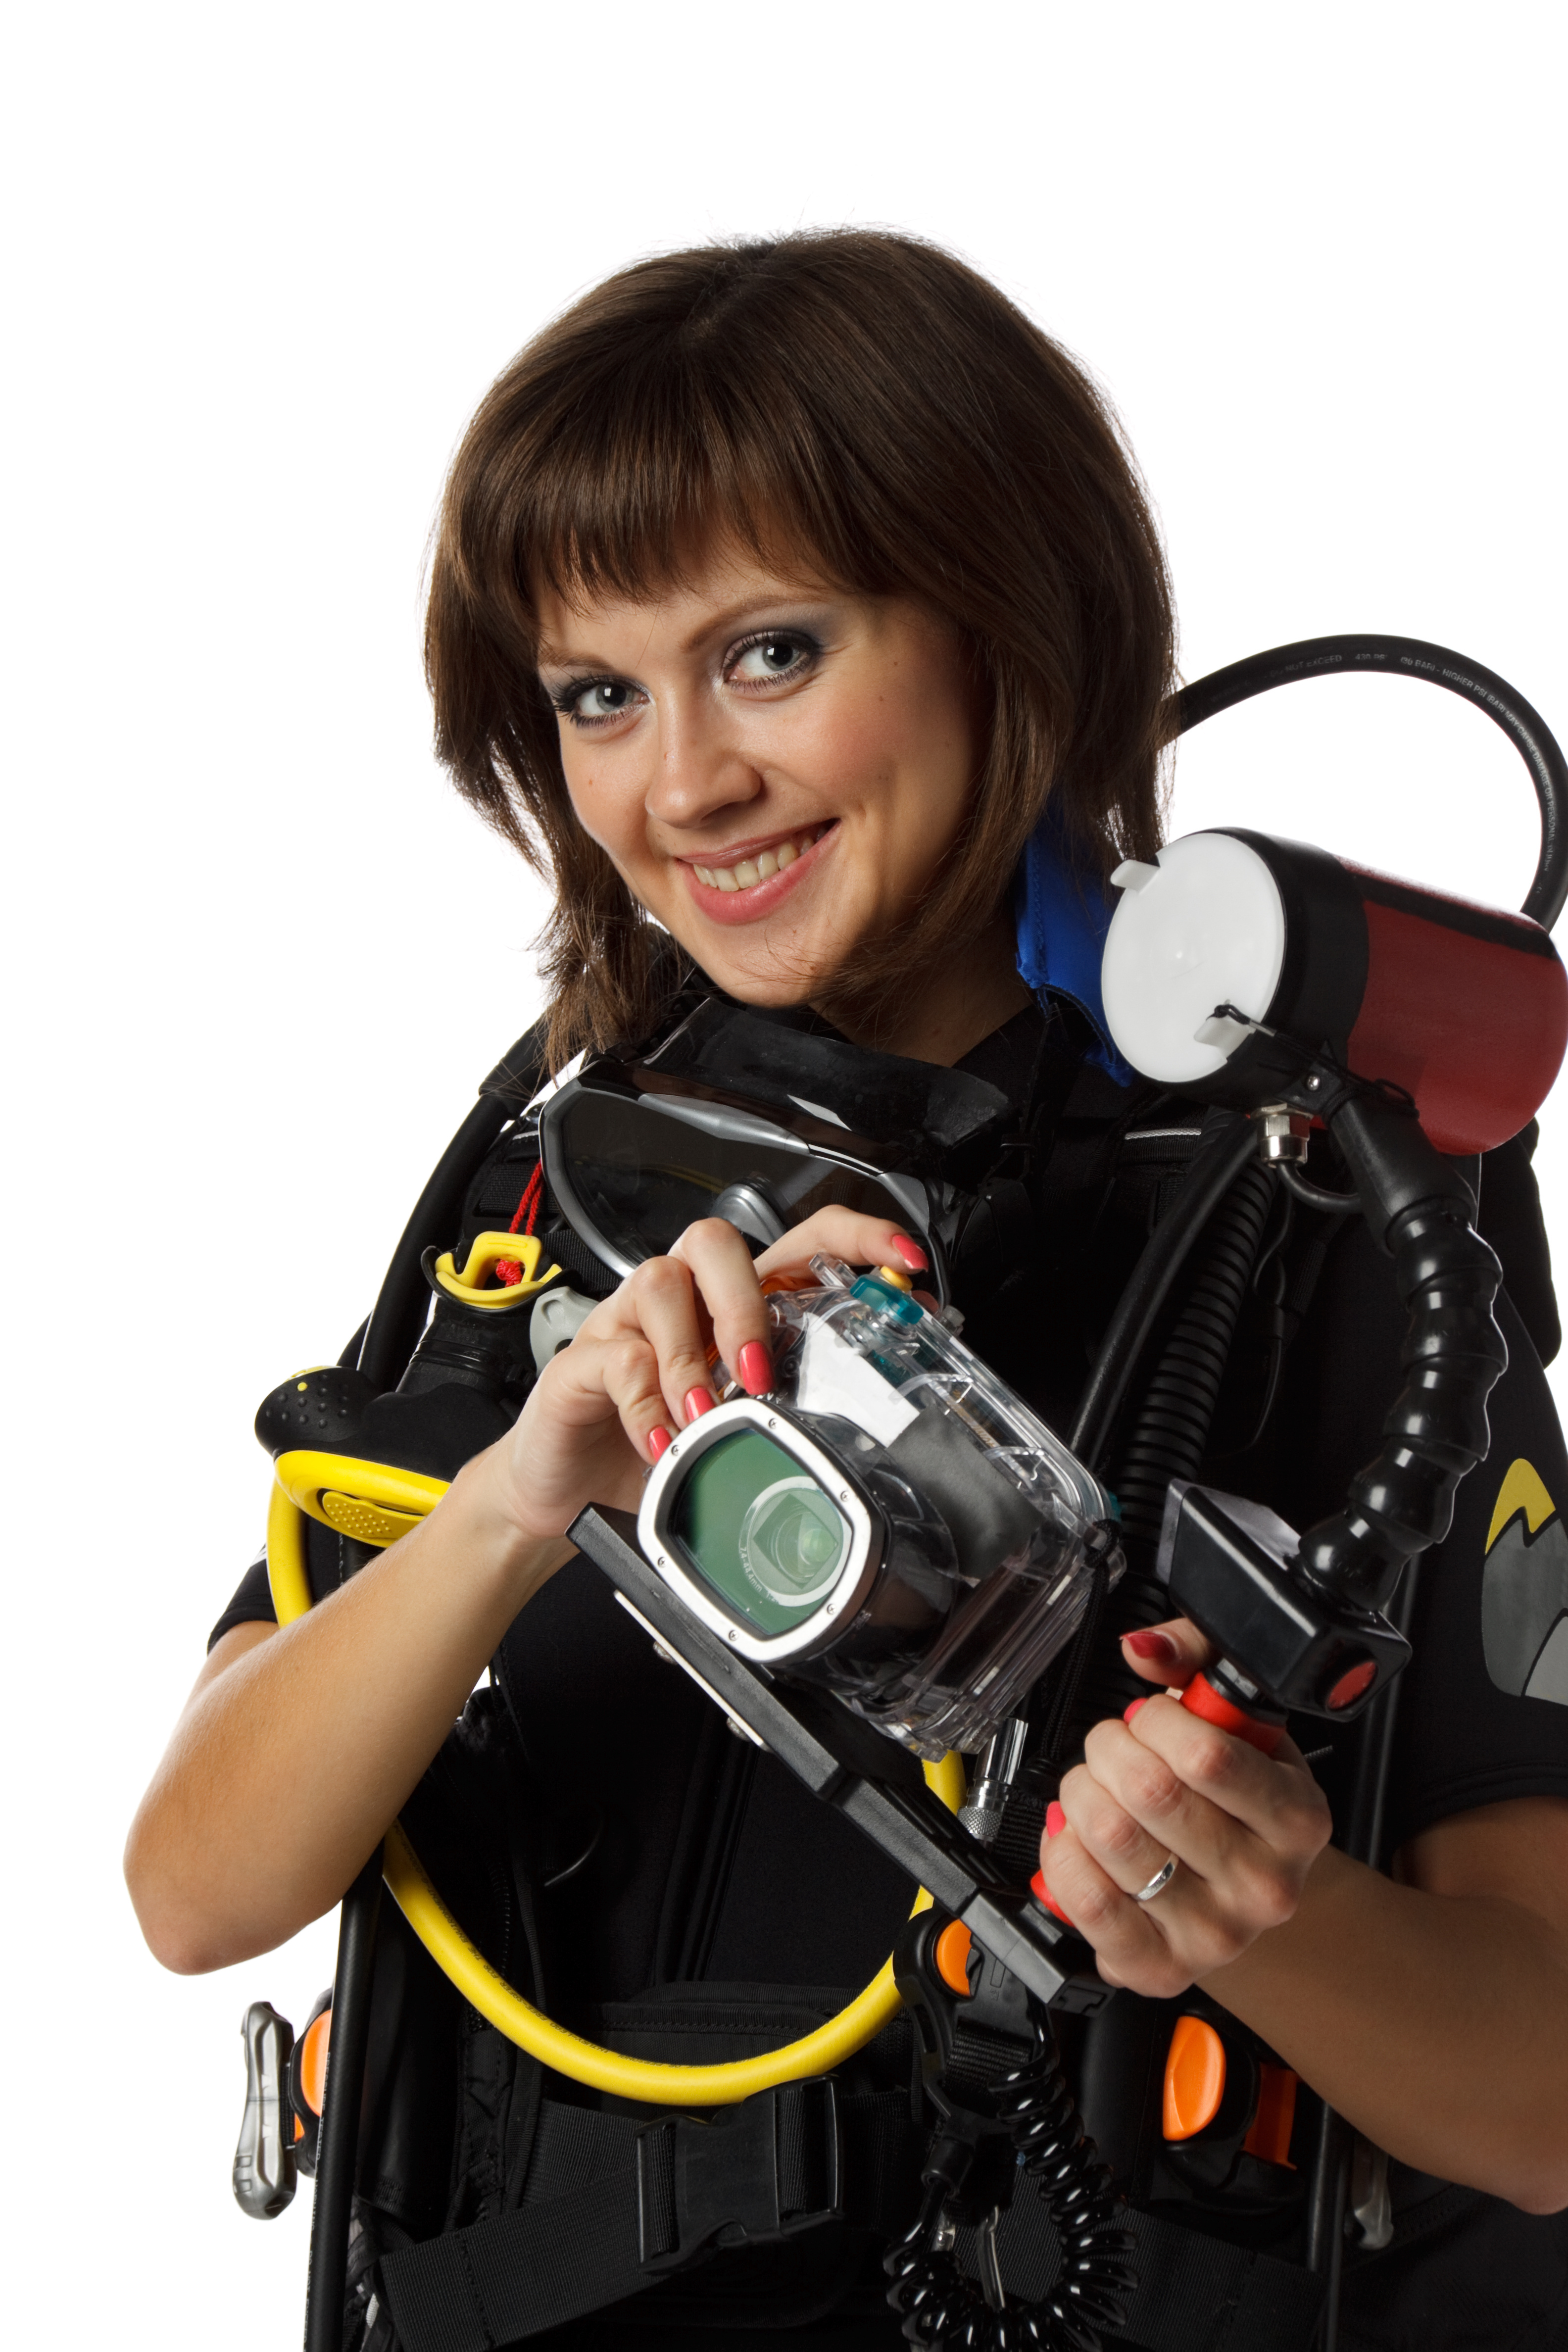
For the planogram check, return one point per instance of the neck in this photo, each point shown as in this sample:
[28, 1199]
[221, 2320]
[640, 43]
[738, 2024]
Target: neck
[969, 994]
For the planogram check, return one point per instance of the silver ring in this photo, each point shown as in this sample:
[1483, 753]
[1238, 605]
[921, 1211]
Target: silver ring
[1159, 1883]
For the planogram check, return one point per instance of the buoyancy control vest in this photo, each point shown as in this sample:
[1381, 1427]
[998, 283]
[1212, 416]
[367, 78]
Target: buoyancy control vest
[495, 2202]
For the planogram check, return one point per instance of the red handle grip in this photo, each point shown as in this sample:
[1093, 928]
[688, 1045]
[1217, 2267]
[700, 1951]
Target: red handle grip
[1200, 1697]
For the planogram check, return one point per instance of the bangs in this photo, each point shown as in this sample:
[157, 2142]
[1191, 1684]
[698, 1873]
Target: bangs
[632, 502]
[646, 428]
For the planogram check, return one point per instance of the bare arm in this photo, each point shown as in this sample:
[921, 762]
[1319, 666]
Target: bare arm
[1432, 2013]
[298, 1746]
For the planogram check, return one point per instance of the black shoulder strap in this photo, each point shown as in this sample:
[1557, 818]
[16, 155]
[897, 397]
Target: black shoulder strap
[519, 1075]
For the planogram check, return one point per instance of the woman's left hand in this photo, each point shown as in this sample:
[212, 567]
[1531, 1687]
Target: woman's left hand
[1245, 1830]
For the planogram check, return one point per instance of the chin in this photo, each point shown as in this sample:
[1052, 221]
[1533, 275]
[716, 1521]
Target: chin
[773, 985]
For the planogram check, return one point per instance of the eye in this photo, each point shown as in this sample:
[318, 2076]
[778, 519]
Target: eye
[772, 655]
[595, 701]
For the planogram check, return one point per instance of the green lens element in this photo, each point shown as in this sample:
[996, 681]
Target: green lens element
[760, 1531]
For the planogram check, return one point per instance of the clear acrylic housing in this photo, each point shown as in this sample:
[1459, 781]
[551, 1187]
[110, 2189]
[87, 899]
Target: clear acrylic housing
[995, 1527]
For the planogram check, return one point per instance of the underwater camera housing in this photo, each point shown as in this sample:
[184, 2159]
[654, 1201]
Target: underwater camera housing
[890, 1521]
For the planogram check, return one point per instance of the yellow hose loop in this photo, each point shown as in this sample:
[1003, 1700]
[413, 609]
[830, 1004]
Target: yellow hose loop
[584, 2061]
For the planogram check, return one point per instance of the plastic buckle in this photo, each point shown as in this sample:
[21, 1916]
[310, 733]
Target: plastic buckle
[752, 2175]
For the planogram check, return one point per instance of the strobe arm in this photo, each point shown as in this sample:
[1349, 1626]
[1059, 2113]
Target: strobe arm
[1303, 1630]
[1419, 1208]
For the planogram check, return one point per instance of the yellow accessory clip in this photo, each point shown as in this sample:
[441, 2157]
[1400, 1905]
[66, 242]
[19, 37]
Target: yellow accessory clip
[383, 1495]
[487, 1252]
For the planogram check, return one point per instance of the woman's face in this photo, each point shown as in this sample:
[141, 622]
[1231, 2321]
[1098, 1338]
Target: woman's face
[776, 768]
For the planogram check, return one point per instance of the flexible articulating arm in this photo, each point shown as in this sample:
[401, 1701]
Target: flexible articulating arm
[1305, 1632]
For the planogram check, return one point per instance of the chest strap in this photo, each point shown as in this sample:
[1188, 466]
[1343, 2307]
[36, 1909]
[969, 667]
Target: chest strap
[613, 2203]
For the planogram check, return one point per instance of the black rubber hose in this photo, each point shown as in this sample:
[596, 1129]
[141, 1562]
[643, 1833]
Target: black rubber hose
[1168, 1439]
[338, 2145]
[1170, 1435]
[1436, 665]
[404, 1298]
[1218, 1163]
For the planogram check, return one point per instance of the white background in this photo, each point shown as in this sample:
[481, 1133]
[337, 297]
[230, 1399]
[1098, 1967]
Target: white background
[262, 263]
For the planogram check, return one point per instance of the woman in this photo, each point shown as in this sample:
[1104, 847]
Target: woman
[777, 592]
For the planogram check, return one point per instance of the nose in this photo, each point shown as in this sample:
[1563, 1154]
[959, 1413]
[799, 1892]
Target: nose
[700, 768]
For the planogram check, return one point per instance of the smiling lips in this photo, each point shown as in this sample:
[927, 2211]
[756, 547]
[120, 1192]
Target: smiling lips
[754, 885]
[747, 872]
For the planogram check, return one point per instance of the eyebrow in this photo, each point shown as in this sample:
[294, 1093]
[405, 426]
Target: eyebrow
[548, 656]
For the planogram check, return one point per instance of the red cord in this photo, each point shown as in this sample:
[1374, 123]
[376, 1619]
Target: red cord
[507, 1269]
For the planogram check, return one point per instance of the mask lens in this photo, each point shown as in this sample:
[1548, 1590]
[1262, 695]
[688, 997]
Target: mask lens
[761, 1534]
[633, 1178]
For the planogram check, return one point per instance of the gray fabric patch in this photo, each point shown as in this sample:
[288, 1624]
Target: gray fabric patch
[1524, 1612]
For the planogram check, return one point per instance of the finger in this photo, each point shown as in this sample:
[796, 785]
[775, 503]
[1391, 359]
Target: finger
[1273, 1798]
[1169, 1654]
[845, 1234]
[660, 1307]
[608, 1379]
[1129, 1945]
[729, 1292]
[1156, 1947]
[1128, 1853]
[1131, 1806]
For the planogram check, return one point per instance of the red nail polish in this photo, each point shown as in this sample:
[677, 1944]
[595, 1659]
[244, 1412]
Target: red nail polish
[657, 1439]
[1128, 1712]
[755, 1367]
[1055, 1819]
[914, 1257]
[698, 1402]
[1037, 1889]
[1156, 1647]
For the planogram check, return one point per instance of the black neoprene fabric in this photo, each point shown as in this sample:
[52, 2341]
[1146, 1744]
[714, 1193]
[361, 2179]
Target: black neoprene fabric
[710, 1866]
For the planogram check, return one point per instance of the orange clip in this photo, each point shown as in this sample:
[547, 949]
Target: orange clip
[1194, 2078]
[1269, 2134]
[952, 1956]
[313, 2062]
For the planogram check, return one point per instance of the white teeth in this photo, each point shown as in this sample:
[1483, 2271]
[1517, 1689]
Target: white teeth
[747, 872]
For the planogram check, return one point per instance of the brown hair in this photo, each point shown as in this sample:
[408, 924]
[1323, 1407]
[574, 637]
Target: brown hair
[870, 403]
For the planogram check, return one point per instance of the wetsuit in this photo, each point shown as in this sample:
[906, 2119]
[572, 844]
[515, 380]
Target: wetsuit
[720, 1911]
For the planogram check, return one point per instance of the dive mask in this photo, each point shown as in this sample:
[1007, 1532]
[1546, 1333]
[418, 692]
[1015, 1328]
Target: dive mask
[743, 1116]
[891, 1521]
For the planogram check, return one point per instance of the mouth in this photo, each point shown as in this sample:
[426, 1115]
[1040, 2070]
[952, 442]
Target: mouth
[753, 883]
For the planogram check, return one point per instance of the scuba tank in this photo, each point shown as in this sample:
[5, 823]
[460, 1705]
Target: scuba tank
[1280, 1042]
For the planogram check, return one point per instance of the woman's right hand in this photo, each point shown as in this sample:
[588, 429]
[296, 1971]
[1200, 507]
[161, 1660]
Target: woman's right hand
[637, 1369]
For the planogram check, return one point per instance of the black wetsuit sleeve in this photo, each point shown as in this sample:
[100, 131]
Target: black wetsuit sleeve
[252, 1603]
